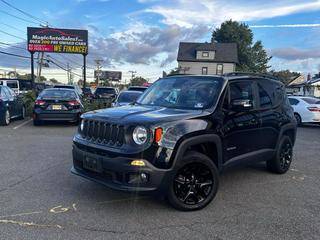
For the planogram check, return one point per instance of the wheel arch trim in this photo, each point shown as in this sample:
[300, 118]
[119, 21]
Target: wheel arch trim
[196, 140]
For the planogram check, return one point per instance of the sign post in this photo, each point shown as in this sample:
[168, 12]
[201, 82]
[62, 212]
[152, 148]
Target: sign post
[84, 70]
[32, 68]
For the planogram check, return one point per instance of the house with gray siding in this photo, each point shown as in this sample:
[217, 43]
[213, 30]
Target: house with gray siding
[207, 58]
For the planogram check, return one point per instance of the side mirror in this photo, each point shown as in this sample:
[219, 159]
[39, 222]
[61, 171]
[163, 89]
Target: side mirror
[241, 105]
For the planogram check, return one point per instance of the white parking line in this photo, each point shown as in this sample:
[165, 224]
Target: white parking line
[22, 124]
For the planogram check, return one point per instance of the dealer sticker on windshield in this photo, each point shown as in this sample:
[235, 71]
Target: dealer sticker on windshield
[198, 105]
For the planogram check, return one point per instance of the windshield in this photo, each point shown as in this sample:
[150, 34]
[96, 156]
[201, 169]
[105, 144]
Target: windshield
[183, 92]
[311, 100]
[106, 90]
[57, 94]
[128, 97]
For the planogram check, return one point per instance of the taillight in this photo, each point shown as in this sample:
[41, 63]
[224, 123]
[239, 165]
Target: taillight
[314, 109]
[74, 103]
[40, 102]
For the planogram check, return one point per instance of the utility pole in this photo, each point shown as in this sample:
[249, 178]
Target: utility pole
[68, 73]
[40, 63]
[98, 62]
[132, 75]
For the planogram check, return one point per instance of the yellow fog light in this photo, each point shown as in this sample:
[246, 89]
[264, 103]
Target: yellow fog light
[139, 163]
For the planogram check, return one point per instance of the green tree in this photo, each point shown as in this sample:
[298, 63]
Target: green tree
[252, 56]
[138, 81]
[54, 81]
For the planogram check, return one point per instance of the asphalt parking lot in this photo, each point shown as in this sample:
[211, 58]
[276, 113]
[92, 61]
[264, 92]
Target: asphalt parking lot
[41, 199]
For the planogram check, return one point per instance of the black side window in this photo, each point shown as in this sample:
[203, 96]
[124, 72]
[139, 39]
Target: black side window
[293, 101]
[266, 94]
[239, 91]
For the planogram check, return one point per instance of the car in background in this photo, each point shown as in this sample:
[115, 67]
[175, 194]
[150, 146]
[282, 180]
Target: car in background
[11, 106]
[87, 92]
[137, 88]
[306, 109]
[126, 98]
[106, 93]
[74, 87]
[12, 84]
[57, 104]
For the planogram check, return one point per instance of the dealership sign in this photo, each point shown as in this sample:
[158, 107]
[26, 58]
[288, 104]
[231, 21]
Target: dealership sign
[57, 40]
[108, 75]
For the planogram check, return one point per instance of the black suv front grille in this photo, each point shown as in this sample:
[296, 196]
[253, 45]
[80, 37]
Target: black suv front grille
[103, 132]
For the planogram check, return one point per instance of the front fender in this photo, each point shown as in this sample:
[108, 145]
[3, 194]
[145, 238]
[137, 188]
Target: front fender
[173, 132]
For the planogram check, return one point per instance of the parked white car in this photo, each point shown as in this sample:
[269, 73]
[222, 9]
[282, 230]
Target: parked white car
[306, 109]
[13, 84]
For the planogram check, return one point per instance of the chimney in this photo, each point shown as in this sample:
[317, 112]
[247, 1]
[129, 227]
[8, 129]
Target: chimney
[309, 77]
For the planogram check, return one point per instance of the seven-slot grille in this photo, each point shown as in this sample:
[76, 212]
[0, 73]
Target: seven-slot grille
[103, 132]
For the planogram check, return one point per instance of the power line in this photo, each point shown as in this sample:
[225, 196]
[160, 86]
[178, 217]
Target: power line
[64, 68]
[22, 19]
[25, 13]
[15, 55]
[12, 45]
[10, 26]
[12, 35]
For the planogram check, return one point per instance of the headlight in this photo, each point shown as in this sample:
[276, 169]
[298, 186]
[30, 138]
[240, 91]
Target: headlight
[140, 135]
[81, 125]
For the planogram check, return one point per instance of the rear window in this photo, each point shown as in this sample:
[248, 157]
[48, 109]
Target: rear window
[141, 89]
[106, 90]
[62, 86]
[12, 84]
[57, 94]
[311, 100]
[128, 97]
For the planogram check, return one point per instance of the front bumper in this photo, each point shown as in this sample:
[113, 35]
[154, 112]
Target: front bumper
[117, 173]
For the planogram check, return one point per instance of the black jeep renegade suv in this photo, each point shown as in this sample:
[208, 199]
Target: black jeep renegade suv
[183, 131]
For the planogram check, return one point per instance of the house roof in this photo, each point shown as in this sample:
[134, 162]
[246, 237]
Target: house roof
[224, 52]
[301, 82]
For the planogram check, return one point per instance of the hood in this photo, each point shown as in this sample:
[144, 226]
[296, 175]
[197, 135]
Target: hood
[142, 114]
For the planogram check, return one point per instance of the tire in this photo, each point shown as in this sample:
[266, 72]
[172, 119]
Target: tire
[194, 183]
[298, 119]
[281, 162]
[5, 119]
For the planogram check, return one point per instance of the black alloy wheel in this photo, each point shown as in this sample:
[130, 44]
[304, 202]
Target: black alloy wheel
[194, 184]
[285, 155]
[283, 158]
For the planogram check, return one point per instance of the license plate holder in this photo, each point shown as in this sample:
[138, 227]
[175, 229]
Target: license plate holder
[56, 107]
[93, 164]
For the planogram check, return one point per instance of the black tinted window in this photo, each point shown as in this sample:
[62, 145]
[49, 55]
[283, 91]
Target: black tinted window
[266, 94]
[311, 100]
[128, 97]
[57, 94]
[241, 91]
[106, 90]
[293, 101]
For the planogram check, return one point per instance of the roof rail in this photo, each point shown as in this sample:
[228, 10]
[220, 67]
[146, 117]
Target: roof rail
[262, 75]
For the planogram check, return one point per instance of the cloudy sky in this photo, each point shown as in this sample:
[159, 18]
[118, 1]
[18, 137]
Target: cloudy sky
[143, 35]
